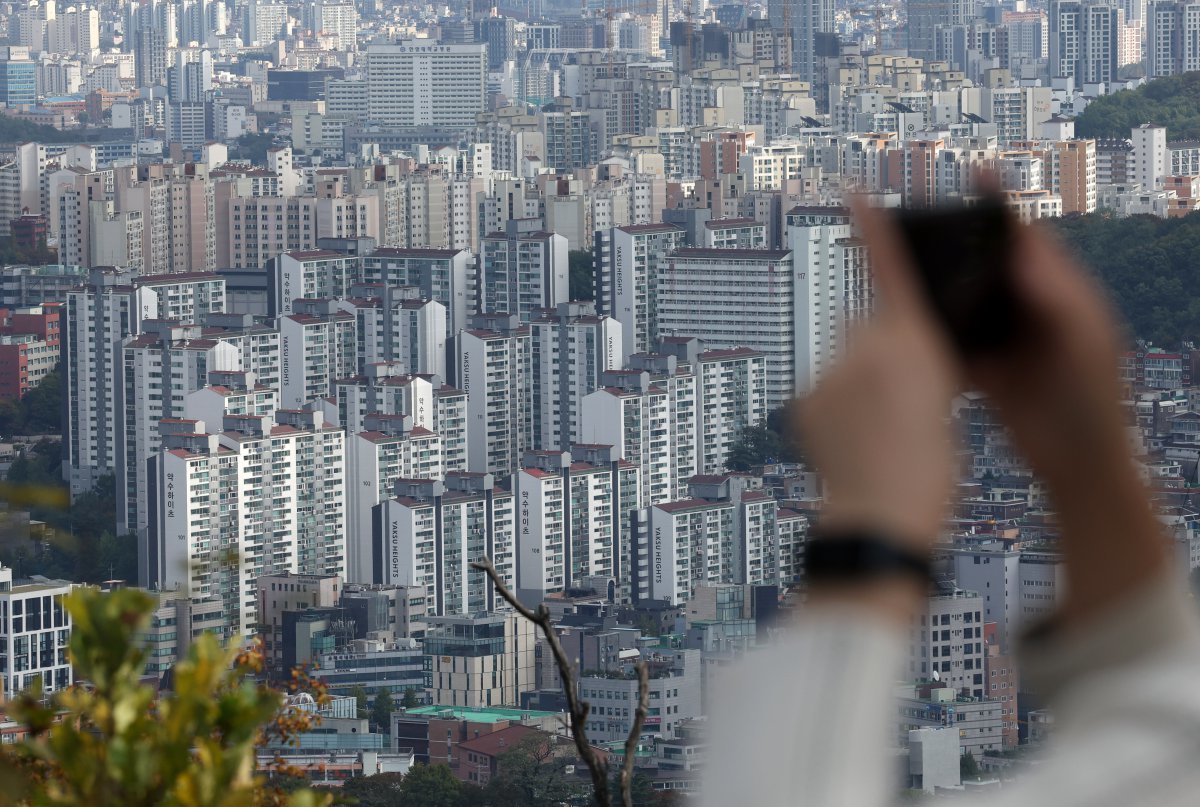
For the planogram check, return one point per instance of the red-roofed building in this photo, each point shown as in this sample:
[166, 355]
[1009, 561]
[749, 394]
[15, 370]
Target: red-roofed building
[29, 347]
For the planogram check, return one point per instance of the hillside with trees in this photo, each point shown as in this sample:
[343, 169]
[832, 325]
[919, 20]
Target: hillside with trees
[1149, 267]
[1173, 102]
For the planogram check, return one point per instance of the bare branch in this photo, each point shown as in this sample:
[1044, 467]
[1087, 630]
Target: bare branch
[576, 708]
[635, 733]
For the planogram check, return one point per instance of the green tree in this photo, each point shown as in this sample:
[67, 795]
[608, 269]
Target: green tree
[430, 786]
[119, 743]
[968, 767]
[410, 700]
[530, 775]
[754, 446]
[360, 696]
[582, 274]
[641, 789]
[252, 147]
[380, 790]
[1173, 101]
[42, 405]
[381, 712]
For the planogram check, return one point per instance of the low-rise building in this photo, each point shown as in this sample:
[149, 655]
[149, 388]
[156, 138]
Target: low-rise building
[35, 631]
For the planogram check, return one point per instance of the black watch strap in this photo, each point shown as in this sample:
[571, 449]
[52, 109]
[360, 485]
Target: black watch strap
[858, 555]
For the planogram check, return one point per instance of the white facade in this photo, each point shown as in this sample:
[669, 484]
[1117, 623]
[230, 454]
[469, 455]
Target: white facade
[569, 350]
[35, 632]
[832, 288]
[315, 349]
[113, 306]
[265, 496]
[429, 534]
[650, 420]
[733, 298]
[388, 449]
[522, 271]
[441, 274]
[629, 261]
[424, 83]
[567, 532]
[1149, 161]
[726, 533]
[159, 370]
[493, 369]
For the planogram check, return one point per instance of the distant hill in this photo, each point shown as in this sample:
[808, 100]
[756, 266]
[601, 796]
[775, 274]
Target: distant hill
[1149, 265]
[15, 130]
[1173, 102]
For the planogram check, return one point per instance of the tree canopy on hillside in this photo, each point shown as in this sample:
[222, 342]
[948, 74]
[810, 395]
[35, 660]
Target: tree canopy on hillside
[1173, 102]
[1148, 265]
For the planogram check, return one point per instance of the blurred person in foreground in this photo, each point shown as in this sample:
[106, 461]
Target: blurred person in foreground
[810, 720]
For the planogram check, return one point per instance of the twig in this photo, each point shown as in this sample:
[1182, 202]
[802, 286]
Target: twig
[635, 733]
[578, 709]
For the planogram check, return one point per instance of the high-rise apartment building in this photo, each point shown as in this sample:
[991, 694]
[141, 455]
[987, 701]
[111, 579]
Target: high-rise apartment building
[1084, 40]
[493, 369]
[648, 415]
[733, 298]
[265, 495]
[832, 289]
[570, 534]
[570, 347]
[388, 449]
[522, 270]
[318, 345]
[159, 369]
[1150, 160]
[629, 261]
[731, 394]
[425, 83]
[724, 533]
[113, 306]
[1172, 37]
[805, 20]
[429, 532]
[924, 17]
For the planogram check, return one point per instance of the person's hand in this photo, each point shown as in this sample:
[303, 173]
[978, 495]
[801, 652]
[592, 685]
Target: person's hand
[877, 426]
[1058, 390]
[1059, 394]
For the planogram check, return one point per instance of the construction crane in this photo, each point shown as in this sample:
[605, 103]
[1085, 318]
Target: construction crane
[877, 14]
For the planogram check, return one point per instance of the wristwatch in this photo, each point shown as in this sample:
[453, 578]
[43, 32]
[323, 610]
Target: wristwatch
[860, 555]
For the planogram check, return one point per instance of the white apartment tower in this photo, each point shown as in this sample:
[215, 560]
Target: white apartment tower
[731, 394]
[628, 263]
[388, 449]
[724, 533]
[429, 533]
[737, 298]
[113, 306]
[317, 345]
[570, 347]
[160, 368]
[648, 415]
[567, 535]
[264, 496]
[832, 287]
[1150, 160]
[421, 82]
[443, 275]
[522, 270]
[493, 370]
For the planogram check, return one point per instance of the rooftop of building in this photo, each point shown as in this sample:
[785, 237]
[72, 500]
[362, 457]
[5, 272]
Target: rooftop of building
[733, 254]
[478, 714]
